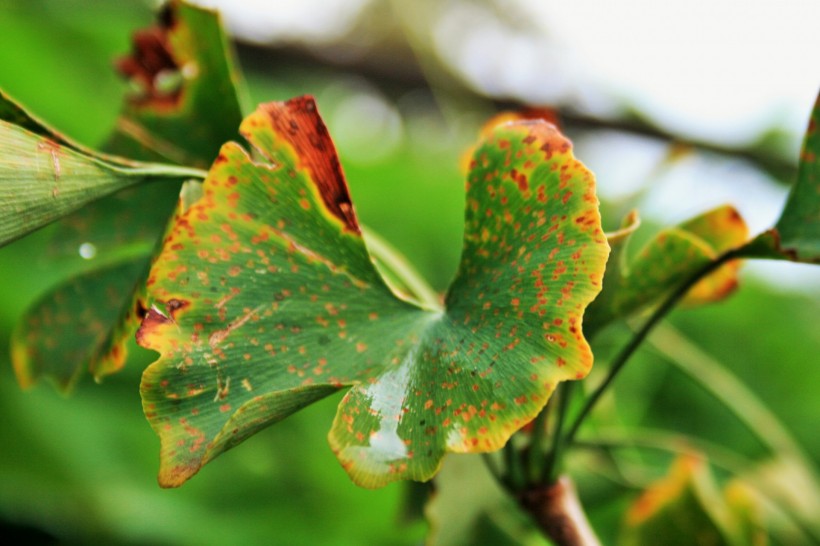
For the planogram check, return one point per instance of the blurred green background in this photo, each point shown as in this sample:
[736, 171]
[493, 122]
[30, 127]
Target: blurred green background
[403, 112]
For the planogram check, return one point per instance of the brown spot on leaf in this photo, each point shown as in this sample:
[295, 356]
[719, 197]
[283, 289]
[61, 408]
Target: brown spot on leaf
[150, 62]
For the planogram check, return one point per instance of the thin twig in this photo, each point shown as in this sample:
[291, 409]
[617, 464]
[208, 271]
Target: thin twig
[623, 357]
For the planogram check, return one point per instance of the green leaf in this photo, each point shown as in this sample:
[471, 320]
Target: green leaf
[796, 235]
[264, 288]
[186, 101]
[672, 256]
[42, 180]
[112, 354]
[59, 335]
[128, 222]
[190, 39]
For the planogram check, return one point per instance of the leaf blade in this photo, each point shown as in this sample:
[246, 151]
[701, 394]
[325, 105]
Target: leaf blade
[59, 335]
[42, 180]
[796, 234]
[532, 261]
[265, 286]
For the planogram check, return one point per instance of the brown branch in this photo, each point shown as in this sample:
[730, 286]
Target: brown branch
[558, 512]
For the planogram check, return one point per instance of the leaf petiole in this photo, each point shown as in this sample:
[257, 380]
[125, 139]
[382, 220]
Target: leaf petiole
[400, 275]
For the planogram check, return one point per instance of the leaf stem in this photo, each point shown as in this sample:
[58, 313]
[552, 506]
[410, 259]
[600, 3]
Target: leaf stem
[492, 467]
[626, 353]
[398, 266]
[535, 455]
[552, 465]
[672, 442]
[158, 169]
[515, 478]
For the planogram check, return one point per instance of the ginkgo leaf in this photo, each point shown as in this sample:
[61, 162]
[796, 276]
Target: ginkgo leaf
[796, 235]
[59, 335]
[723, 229]
[174, 123]
[665, 262]
[264, 298]
[129, 223]
[42, 180]
[111, 354]
[187, 92]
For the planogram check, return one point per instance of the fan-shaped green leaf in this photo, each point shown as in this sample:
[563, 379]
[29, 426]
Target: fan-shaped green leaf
[132, 220]
[59, 335]
[264, 291]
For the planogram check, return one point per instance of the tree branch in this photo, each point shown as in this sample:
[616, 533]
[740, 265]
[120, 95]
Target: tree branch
[558, 512]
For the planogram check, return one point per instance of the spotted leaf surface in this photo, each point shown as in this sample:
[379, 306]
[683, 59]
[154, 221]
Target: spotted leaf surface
[57, 338]
[264, 298]
[796, 235]
[666, 261]
[182, 71]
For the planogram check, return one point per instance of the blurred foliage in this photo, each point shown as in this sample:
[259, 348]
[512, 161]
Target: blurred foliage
[82, 470]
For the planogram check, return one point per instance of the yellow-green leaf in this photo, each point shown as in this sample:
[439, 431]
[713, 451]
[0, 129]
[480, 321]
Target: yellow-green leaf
[665, 262]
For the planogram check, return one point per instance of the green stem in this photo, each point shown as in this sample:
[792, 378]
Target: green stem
[623, 357]
[397, 266]
[713, 377]
[158, 169]
[558, 442]
[492, 466]
[535, 455]
[514, 477]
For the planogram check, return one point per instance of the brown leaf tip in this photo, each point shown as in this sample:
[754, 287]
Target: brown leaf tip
[299, 123]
